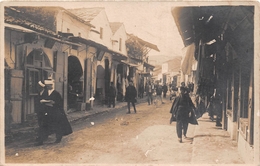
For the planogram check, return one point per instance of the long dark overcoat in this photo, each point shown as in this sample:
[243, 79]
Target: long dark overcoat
[56, 118]
[182, 106]
[131, 94]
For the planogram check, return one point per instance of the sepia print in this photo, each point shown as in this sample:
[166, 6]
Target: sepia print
[140, 83]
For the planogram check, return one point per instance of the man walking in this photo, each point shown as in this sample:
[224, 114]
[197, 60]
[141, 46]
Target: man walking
[54, 119]
[159, 92]
[130, 96]
[165, 89]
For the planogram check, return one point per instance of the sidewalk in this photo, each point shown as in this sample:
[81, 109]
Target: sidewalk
[23, 130]
[213, 145]
[77, 115]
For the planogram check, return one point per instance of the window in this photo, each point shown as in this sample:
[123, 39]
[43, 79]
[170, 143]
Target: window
[68, 30]
[79, 34]
[101, 33]
[39, 68]
[33, 78]
[120, 44]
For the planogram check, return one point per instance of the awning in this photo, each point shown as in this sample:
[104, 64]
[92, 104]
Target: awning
[188, 60]
[148, 65]
[130, 64]
[25, 30]
[145, 74]
[88, 42]
[150, 45]
[117, 55]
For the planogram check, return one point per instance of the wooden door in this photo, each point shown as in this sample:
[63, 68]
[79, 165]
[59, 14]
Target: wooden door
[16, 94]
[61, 71]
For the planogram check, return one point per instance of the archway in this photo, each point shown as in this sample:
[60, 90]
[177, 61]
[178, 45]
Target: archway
[38, 68]
[75, 83]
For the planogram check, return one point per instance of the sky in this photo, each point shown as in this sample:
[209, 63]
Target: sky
[150, 21]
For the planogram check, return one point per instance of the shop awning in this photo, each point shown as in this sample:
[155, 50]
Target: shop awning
[117, 55]
[148, 65]
[129, 64]
[145, 74]
[88, 42]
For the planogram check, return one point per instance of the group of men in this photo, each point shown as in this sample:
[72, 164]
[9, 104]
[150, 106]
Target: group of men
[130, 96]
[150, 88]
[50, 113]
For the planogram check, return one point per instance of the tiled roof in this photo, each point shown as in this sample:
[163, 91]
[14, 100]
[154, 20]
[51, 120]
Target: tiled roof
[17, 17]
[115, 26]
[87, 14]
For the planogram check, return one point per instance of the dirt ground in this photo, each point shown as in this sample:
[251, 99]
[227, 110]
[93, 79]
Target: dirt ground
[114, 138]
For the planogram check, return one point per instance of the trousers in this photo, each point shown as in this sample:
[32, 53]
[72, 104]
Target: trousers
[181, 125]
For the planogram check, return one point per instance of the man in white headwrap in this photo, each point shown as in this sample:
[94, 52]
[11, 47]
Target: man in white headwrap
[56, 120]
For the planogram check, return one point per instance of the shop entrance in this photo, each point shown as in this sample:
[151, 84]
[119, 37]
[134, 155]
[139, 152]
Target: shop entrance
[75, 82]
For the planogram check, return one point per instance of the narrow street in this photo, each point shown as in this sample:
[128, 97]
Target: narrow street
[116, 137]
[146, 137]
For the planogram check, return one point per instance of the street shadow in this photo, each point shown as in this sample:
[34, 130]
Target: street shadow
[210, 135]
[187, 140]
[205, 120]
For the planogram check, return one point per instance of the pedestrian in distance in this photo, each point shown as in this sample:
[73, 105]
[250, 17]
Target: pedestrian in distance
[159, 90]
[215, 108]
[130, 96]
[165, 89]
[182, 111]
[39, 109]
[112, 95]
[55, 119]
[141, 91]
[149, 92]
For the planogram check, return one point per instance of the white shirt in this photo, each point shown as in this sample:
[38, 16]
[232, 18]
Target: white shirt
[50, 91]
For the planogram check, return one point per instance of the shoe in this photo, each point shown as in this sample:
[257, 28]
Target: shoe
[57, 141]
[38, 144]
[185, 136]
[128, 113]
[180, 140]
[218, 124]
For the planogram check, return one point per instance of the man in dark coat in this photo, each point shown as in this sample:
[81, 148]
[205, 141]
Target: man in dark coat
[165, 89]
[54, 116]
[130, 96]
[111, 95]
[149, 92]
[181, 110]
[159, 91]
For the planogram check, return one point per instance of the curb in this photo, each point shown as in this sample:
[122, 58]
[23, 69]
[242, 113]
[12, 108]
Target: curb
[24, 132]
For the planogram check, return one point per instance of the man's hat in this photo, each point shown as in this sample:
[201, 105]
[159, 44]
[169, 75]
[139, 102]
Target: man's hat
[41, 84]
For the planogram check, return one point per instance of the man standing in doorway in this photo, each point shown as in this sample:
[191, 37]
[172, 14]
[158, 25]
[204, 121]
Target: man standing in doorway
[112, 95]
